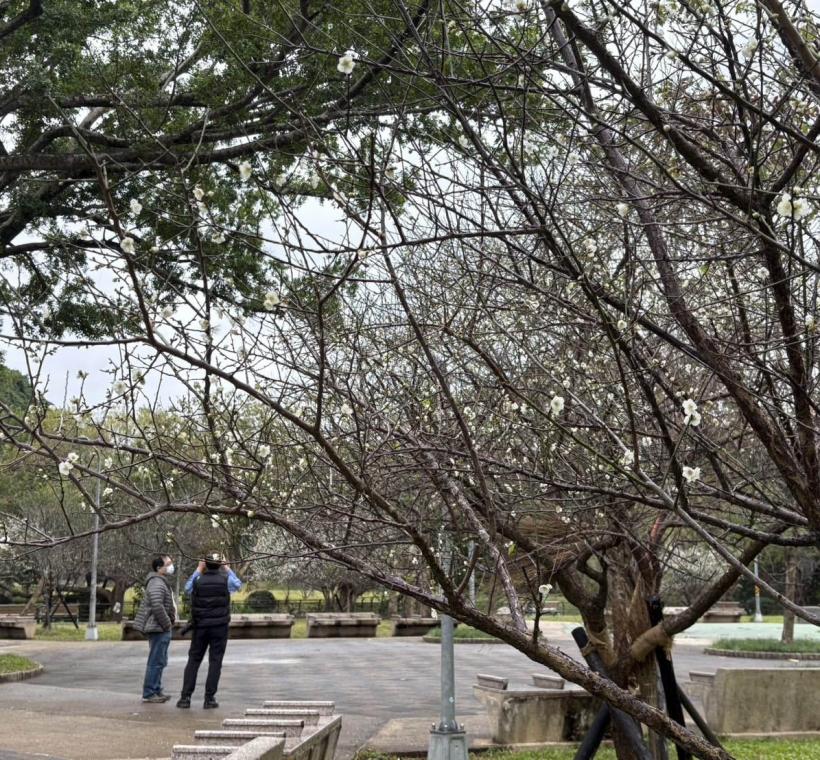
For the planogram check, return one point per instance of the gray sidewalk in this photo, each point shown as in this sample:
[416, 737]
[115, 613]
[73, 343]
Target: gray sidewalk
[86, 706]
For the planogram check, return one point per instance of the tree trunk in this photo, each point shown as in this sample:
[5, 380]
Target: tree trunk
[787, 637]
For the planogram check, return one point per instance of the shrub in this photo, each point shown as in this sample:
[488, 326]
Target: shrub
[261, 601]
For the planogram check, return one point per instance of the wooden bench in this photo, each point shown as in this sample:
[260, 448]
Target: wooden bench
[327, 625]
[17, 626]
[414, 625]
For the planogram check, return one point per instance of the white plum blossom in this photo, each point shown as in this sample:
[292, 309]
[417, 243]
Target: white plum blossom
[623, 209]
[65, 468]
[135, 206]
[544, 589]
[271, 300]
[107, 492]
[346, 410]
[128, 245]
[628, 459]
[73, 457]
[692, 415]
[622, 325]
[199, 193]
[120, 387]
[263, 452]
[557, 404]
[108, 463]
[691, 474]
[346, 64]
[792, 208]
[245, 171]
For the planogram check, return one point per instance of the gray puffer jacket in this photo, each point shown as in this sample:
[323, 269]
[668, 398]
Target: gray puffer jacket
[157, 611]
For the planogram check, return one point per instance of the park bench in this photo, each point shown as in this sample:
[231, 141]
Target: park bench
[535, 715]
[261, 626]
[813, 610]
[326, 625]
[543, 681]
[269, 739]
[758, 700]
[414, 625]
[724, 612]
[552, 608]
[17, 626]
[252, 626]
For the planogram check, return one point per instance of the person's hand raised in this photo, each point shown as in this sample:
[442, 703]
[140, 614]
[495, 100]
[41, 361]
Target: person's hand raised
[201, 566]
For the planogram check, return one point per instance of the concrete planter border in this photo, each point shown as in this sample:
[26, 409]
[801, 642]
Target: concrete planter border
[21, 675]
[764, 655]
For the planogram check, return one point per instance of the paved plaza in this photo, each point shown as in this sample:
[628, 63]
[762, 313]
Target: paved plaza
[86, 705]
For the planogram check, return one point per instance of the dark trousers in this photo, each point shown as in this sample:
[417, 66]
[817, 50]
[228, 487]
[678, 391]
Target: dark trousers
[214, 639]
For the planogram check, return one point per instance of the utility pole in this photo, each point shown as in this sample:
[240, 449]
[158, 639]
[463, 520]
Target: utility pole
[91, 633]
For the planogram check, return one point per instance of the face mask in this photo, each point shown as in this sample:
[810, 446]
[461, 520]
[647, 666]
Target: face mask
[170, 569]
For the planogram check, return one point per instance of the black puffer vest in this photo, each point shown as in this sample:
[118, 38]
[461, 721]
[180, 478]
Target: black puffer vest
[211, 601]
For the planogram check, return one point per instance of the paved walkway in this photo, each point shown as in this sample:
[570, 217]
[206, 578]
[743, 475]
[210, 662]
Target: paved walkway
[86, 705]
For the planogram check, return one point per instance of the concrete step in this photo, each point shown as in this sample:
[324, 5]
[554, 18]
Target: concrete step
[230, 738]
[310, 717]
[324, 708]
[291, 728]
[200, 752]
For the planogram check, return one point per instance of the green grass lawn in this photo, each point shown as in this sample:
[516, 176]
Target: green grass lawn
[742, 750]
[13, 663]
[67, 632]
[768, 645]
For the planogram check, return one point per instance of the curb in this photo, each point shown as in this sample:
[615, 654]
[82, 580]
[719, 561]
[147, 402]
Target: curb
[437, 640]
[764, 655]
[21, 675]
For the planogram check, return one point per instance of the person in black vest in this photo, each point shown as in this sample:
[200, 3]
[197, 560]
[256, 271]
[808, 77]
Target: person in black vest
[210, 588]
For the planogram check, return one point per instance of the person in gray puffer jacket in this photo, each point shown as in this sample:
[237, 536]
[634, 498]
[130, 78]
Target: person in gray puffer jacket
[155, 619]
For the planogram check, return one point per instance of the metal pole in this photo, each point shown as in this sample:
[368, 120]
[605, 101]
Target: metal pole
[91, 633]
[447, 740]
[758, 613]
[447, 723]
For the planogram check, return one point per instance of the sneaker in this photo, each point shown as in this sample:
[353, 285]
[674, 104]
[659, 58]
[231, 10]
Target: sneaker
[155, 699]
[165, 697]
[184, 702]
[210, 704]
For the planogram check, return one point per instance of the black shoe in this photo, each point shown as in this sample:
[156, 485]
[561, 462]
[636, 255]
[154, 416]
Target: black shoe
[184, 702]
[210, 704]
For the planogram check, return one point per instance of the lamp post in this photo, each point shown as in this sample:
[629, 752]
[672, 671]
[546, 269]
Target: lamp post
[91, 633]
[758, 614]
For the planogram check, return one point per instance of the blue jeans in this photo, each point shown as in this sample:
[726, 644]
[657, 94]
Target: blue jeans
[157, 660]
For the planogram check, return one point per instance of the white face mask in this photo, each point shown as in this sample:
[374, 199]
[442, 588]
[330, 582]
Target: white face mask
[169, 570]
